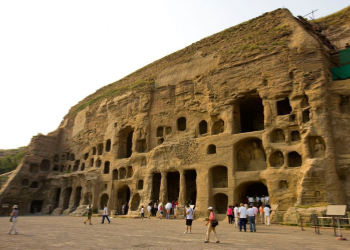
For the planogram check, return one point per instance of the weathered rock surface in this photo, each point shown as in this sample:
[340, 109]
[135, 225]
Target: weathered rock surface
[250, 110]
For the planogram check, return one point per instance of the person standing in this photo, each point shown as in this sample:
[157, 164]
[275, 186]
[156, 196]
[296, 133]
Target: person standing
[251, 219]
[175, 210]
[149, 209]
[14, 216]
[267, 215]
[235, 211]
[89, 214]
[155, 208]
[210, 228]
[261, 211]
[189, 218]
[123, 209]
[160, 209]
[105, 215]
[229, 214]
[242, 213]
[142, 213]
[168, 208]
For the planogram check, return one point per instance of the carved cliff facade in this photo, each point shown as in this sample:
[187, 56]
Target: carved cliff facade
[250, 110]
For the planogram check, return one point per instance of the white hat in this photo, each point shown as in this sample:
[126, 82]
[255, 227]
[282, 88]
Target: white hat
[210, 208]
[15, 206]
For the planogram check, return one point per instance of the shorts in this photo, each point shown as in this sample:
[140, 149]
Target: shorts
[161, 212]
[189, 222]
[142, 214]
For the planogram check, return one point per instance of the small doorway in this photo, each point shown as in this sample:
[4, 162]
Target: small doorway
[191, 186]
[36, 207]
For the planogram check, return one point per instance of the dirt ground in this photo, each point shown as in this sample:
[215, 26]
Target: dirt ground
[64, 232]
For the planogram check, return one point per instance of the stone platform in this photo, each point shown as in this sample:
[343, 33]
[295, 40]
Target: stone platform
[66, 232]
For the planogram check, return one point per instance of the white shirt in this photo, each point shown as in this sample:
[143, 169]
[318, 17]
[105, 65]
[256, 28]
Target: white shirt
[267, 198]
[266, 210]
[189, 216]
[142, 210]
[235, 210]
[155, 205]
[250, 199]
[243, 212]
[105, 211]
[250, 212]
[149, 208]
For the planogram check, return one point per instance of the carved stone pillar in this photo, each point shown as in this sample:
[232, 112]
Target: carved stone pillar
[182, 197]
[163, 194]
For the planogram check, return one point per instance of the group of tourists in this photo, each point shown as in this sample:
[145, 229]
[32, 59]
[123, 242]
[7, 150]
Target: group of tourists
[159, 208]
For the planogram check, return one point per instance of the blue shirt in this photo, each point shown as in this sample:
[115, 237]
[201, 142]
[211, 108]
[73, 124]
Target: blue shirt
[15, 213]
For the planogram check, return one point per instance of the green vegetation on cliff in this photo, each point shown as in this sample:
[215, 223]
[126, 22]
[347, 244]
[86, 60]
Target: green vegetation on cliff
[336, 19]
[9, 159]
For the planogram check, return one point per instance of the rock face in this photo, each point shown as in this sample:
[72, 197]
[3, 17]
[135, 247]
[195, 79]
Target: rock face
[250, 110]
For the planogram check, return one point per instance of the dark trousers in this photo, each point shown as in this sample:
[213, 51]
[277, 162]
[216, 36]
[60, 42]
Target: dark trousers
[243, 223]
[103, 219]
[230, 219]
[252, 223]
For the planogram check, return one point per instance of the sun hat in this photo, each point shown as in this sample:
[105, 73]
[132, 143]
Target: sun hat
[15, 206]
[210, 208]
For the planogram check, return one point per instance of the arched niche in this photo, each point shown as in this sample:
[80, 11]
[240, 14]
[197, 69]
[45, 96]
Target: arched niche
[140, 184]
[283, 185]
[283, 107]
[129, 172]
[34, 184]
[56, 158]
[98, 163]
[115, 174]
[72, 157]
[277, 159]
[203, 127]
[106, 167]
[250, 189]
[92, 161]
[250, 155]
[211, 149]
[295, 135]
[104, 200]
[277, 136]
[160, 141]
[219, 178]
[168, 130]
[94, 151]
[123, 197]
[76, 165]
[294, 159]
[82, 167]
[218, 127]
[86, 156]
[135, 202]
[304, 103]
[141, 146]
[250, 115]
[45, 165]
[317, 146]
[181, 124]
[56, 168]
[122, 173]
[306, 115]
[100, 149]
[108, 145]
[221, 203]
[125, 143]
[34, 168]
[160, 131]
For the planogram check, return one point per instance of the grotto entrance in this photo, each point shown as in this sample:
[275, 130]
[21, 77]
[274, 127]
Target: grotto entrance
[125, 143]
[173, 180]
[57, 198]
[221, 203]
[191, 186]
[156, 179]
[250, 189]
[104, 200]
[67, 195]
[77, 197]
[36, 206]
[123, 197]
[251, 115]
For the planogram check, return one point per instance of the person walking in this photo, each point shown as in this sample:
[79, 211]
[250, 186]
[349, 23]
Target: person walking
[229, 214]
[160, 209]
[235, 212]
[105, 215]
[189, 218]
[210, 228]
[261, 211]
[89, 214]
[251, 219]
[242, 213]
[14, 218]
[168, 208]
[267, 215]
[123, 209]
[142, 213]
[149, 209]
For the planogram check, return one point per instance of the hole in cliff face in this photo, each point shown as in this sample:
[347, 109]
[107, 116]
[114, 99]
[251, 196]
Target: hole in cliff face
[56, 158]
[34, 168]
[160, 141]
[123, 198]
[294, 159]
[86, 156]
[250, 155]
[191, 186]
[25, 182]
[63, 157]
[45, 165]
[219, 177]
[104, 200]
[36, 206]
[304, 102]
[129, 172]
[283, 107]
[295, 136]
[82, 167]
[277, 136]
[94, 151]
[106, 168]
[34, 184]
[72, 157]
[69, 168]
[135, 203]
[100, 149]
[251, 115]
[125, 143]
[211, 149]
[141, 146]
[292, 118]
[181, 124]
[173, 181]
[203, 127]
[67, 194]
[98, 163]
[115, 174]
[140, 184]
[122, 172]
[108, 145]
[76, 165]
[68, 156]
[306, 115]
[160, 132]
[92, 161]
[77, 197]
[57, 198]
[291, 75]
[62, 168]
[344, 104]
[283, 185]
[168, 130]
[156, 179]
[277, 159]
[56, 168]
[218, 127]
[221, 203]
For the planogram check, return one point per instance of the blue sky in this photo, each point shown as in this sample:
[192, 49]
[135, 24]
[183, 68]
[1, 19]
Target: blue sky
[55, 53]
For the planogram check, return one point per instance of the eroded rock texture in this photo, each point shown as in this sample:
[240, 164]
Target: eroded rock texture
[250, 110]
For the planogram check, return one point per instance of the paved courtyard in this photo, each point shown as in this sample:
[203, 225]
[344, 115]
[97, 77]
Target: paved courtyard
[64, 232]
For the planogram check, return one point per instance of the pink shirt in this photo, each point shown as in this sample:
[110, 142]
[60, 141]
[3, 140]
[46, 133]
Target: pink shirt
[229, 211]
[211, 216]
[255, 210]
